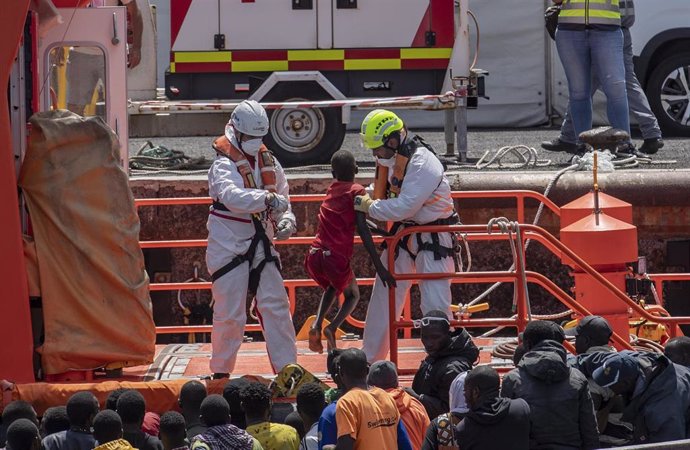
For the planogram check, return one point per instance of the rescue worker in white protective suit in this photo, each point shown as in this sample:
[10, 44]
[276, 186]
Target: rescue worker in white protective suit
[410, 189]
[251, 206]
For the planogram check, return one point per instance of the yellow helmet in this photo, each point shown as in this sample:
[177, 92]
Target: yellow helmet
[377, 126]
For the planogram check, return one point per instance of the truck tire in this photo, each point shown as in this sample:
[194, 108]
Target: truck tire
[668, 92]
[303, 136]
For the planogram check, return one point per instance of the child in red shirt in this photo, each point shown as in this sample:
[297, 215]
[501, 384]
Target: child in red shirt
[328, 259]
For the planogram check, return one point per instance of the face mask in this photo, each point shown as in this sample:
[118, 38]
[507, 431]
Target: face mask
[386, 162]
[251, 147]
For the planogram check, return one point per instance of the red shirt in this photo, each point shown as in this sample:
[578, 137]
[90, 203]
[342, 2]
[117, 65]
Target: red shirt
[337, 219]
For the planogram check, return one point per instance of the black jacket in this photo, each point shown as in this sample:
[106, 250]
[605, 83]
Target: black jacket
[498, 423]
[142, 441]
[561, 411]
[437, 372]
[659, 408]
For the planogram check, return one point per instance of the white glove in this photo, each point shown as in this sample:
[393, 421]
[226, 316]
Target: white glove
[277, 203]
[284, 229]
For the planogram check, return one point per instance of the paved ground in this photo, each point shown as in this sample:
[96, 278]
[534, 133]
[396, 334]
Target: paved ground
[479, 141]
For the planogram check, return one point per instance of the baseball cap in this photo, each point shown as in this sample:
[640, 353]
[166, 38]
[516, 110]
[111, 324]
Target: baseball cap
[595, 327]
[383, 374]
[619, 367]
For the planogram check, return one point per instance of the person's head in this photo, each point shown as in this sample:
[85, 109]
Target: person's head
[231, 394]
[191, 395]
[18, 409]
[23, 434]
[215, 411]
[482, 384]
[256, 401]
[107, 426]
[677, 350]
[538, 331]
[310, 403]
[54, 420]
[332, 366]
[131, 407]
[173, 430]
[456, 395]
[111, 401]
[248, 124]
[82, 407]
[343, 165]
[383, 374]
[353, 368]
[383, 132]
[618, 373]
[591, 331]
[435, 333]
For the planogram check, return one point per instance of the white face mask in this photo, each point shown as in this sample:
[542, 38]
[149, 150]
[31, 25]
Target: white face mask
[386, 162]
[251, 147]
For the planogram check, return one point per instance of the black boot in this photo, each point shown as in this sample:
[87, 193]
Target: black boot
[651, 146]
[557, 145]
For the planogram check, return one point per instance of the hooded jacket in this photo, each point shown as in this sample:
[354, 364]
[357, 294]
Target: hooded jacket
[561, 411]
[436, 373]
[498, 423]
[412, 414]
[659, 407]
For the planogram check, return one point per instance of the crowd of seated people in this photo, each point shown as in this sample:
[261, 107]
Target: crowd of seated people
[597, 398]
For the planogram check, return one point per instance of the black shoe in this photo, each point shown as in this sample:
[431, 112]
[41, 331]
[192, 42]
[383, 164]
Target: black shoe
[651, 146]
[220, 376]
[628, 149]
[557, 145]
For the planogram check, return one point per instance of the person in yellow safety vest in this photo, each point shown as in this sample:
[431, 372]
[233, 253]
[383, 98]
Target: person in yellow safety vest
[415, 191]
[589, 39]
[251, 207]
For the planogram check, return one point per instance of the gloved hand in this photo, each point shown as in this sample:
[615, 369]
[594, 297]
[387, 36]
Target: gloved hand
[277, 203]
[284, 229]
[362, 203]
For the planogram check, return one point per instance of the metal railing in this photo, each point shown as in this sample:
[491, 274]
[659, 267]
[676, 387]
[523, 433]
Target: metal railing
[520, 197]
[519, 277]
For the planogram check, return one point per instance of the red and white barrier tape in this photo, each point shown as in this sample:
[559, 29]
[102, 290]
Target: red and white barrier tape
[430, 102]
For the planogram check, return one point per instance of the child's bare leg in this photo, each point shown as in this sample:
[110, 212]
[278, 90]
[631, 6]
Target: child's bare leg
[327, 299]
[351, 294]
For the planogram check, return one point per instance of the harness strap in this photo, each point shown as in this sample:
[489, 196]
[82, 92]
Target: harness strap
[434, 246]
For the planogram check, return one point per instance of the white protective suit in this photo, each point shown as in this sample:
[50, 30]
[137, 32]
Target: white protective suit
[424, 197]
[228, 237]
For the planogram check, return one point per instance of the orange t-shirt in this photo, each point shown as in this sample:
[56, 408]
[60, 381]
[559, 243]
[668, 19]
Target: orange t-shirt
[369, 417]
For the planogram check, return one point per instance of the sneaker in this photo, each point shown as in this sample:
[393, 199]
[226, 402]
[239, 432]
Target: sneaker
[220, 376]
[557, 145]
[651, 146]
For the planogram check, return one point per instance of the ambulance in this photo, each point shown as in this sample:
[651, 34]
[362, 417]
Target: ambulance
[312, 50]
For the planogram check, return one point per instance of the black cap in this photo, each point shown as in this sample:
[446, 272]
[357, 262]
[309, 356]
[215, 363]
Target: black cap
[595, 327]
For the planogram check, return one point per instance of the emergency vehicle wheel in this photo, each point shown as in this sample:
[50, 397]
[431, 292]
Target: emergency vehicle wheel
[668, 91]
[303, 136]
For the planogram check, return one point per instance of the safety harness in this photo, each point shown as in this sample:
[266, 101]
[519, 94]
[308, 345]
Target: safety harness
[383, 188]
[268, 177]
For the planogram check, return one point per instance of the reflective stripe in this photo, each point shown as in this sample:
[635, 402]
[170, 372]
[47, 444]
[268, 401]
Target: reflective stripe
[337, 59]
[590, 12]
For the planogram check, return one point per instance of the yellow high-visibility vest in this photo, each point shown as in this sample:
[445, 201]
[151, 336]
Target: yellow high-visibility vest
[590, 12]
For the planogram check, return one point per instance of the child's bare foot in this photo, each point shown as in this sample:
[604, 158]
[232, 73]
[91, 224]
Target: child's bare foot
[315, 344]
[330, 338]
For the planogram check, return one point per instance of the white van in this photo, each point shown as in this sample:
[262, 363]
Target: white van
[661, 45]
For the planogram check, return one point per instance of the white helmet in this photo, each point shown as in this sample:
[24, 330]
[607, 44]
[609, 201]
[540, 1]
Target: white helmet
[249, 118]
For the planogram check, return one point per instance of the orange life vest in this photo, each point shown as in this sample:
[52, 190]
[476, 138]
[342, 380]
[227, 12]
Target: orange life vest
[265, 159]
[390, 189]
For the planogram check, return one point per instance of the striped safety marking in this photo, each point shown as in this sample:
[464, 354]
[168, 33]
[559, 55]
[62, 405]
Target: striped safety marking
[284, 60]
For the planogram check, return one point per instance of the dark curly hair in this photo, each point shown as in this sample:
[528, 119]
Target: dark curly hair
[256, 399]
[311, 400]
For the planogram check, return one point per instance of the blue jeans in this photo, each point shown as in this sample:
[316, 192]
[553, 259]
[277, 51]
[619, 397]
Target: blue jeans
[637, 100]
[600, 53]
